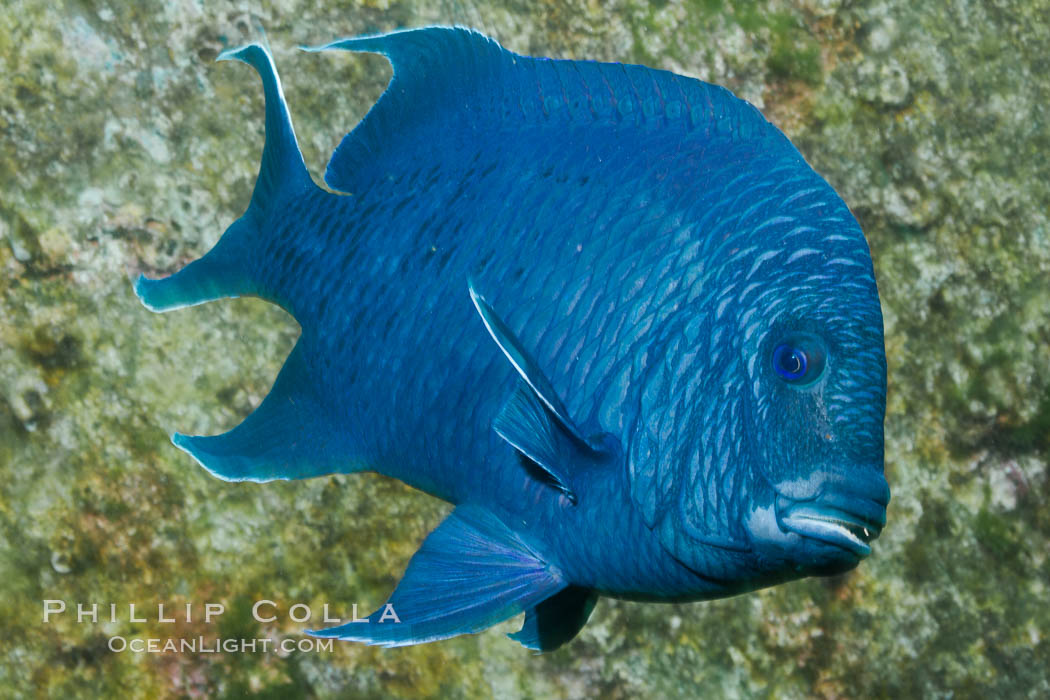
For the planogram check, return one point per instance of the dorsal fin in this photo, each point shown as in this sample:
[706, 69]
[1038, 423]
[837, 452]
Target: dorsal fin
[282, 164]
[223, 271]
[454, 81]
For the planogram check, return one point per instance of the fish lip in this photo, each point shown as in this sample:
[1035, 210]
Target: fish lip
[842, 533]
[852, 529]
[846, 509]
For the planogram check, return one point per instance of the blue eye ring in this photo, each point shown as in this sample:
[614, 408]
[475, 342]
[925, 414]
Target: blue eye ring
[798, 359]
[790, 363]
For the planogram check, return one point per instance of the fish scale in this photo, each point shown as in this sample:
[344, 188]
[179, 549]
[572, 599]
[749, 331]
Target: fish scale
[549, 292]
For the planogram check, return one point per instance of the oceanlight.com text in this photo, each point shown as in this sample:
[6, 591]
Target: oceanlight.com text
[200, 645]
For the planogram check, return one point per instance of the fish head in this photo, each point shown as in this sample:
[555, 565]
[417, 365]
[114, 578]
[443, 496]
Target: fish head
[814, 404]
[758, 456]
[818, 396]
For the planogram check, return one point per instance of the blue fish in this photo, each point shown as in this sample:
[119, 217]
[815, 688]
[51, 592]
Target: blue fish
[608, 312]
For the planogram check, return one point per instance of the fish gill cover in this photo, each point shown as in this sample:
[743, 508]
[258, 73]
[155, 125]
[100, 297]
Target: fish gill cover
[608, 312]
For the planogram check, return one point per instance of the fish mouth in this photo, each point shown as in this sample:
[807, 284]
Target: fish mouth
[846, 520]
[844, 530]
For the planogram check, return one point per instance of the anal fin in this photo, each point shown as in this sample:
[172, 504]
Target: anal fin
[289, 436]
[471, 572]
[556, 620]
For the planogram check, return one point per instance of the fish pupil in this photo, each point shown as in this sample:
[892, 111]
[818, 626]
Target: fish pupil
[790, 362]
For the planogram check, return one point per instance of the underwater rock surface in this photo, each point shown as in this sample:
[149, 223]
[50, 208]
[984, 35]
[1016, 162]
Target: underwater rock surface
[124, 148]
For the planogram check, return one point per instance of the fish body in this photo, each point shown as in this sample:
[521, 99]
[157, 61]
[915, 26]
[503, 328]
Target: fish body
[607, 312]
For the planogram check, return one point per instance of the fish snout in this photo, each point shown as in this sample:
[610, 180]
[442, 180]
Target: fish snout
[848, 512]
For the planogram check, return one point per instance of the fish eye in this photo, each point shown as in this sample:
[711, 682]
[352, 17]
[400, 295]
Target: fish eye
[798, 360]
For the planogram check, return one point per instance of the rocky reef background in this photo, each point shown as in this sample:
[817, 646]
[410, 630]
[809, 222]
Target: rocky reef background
[125, 148]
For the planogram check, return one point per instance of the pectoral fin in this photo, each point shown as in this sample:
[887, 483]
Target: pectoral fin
[526, 424]
[471, 573]
[534, 420]
[526, 366]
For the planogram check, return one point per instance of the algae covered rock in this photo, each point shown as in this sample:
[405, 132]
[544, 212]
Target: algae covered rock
[124, 148]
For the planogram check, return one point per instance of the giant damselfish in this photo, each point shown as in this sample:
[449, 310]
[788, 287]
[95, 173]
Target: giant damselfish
[608, 312]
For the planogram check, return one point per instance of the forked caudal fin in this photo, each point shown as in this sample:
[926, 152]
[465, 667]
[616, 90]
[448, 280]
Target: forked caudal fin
[227, 269]
[289, 436]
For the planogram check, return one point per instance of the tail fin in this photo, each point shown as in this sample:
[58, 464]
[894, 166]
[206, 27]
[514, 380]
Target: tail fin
[291, 435]
[222, 272]
[225, 271]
